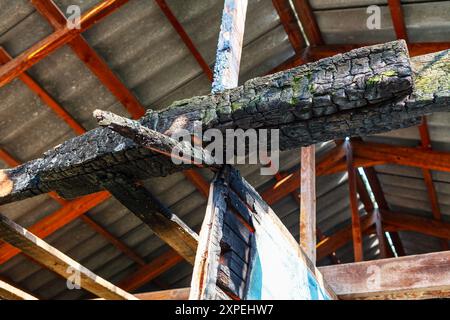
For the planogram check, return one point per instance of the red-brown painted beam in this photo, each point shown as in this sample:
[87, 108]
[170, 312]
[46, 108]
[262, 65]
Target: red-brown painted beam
[314, 53]
[398, 20]
[432, 194]
[92, 60]
[55, 41]
[356, 222]
[308, 20]
[44, 95]
[185, 37]
[290, 24]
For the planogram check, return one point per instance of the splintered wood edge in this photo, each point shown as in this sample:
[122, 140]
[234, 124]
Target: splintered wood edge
[6, 184]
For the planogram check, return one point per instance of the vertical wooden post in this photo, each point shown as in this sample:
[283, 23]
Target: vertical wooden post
[308, 202]
[229, 48]
[226, 76]
[356, 223]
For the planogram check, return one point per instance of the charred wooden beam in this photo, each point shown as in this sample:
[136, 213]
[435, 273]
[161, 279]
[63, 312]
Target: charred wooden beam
[163, 222]
[57, 261]
[307, 218]
[314, 53]
[312, 103]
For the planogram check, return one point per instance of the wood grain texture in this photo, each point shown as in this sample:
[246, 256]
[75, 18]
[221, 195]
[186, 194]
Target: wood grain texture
[423, 276]
[358, 251]
[9, 292]
[57, 261]
[216, 267]
[308, 202]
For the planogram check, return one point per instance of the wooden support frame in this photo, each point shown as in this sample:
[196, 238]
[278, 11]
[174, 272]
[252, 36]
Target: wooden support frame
[185, 38]
[58, 262]
[428, 277]
[308, 20]
[428, 178]
[9, 292]
[290, 24]
[91, 59]
[307, 219]
[356, 222]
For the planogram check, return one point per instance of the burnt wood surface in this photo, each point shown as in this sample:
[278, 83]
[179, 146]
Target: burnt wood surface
[232, 241]
[364, 91]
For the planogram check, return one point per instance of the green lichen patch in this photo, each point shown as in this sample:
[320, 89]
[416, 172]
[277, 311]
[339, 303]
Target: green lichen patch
[435, 79]
[380, 77]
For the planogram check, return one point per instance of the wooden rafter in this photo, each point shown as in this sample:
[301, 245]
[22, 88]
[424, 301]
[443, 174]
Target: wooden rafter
[58, 262]
[56, 40]
[93, 61]
[308, 20]
[424, 276]
[9, 292]
[308, 202]
[290, 24]
[341, 125]
[358, 251]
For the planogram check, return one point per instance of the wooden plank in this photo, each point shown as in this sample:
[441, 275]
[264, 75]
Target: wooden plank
[229, 48]
[398, 20]
[354, 205]
[9, 292]
[173, 294]
[57, 261]
[406, 156]
[308, 20]
[296, 276]
[48, 225]
[425, 276]
[308, 202]
[152, 212]
[56, 40]
[290, 24]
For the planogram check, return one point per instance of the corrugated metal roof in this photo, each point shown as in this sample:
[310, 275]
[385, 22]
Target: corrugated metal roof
[143, 49]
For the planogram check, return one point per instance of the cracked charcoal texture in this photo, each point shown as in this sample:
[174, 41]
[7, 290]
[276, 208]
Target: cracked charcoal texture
[365, 91]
